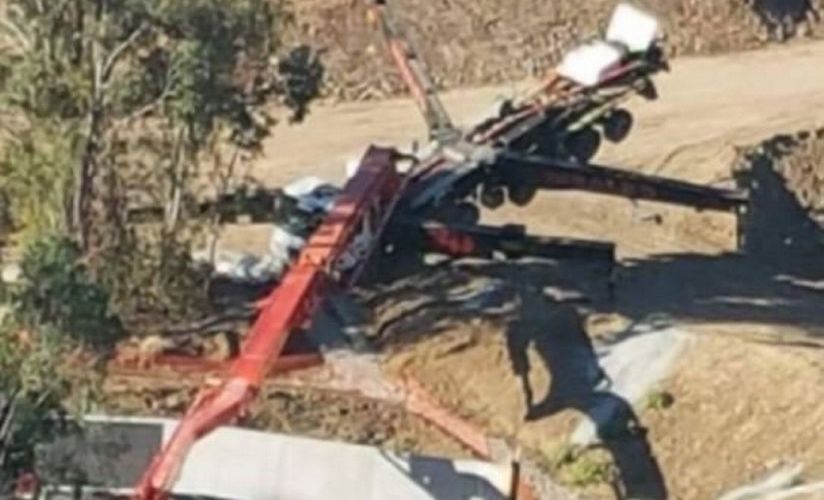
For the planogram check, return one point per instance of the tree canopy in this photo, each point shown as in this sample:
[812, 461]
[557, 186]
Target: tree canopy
[104, 102]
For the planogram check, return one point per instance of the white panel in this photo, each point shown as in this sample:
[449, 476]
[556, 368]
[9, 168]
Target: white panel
[586, 65]
[632, 27]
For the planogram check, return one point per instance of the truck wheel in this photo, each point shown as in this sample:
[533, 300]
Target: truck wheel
[522, 195]
[618, 125]
[583, 145]
[492, 197]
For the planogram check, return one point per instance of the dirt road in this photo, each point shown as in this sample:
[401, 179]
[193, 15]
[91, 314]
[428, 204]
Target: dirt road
[707, 105]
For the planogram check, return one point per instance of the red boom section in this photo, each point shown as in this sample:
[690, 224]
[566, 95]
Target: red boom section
[356, 219]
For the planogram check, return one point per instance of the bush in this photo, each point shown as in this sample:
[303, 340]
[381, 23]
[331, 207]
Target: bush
[57, 293]
[153, 280]
[35, 179]
[32, 388]
[580, 467]
[54, 309]
[587, 471]
[659, 400]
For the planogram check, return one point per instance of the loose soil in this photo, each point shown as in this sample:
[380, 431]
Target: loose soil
[303, 411]
[479, 42]
[745, 397]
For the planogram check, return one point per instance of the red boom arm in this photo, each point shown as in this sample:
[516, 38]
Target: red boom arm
[358, 216]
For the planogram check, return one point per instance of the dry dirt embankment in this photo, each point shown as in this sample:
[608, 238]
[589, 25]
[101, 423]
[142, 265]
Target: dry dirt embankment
[481, 42]
[743, 400]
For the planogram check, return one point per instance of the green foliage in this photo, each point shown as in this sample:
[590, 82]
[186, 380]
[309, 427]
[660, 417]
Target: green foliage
[580, 467]
[558, 456]
[46, 321]
[302, 75]
[116, 100]
[35, 178]
[58, 295]
[37, 78]
[659, 400]
[102, 102]
[588, 472]
[195, 66]
[154, 281]
[32, 388]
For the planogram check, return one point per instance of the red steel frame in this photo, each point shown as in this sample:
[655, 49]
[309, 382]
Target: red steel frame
[188, 365]
[366, 201]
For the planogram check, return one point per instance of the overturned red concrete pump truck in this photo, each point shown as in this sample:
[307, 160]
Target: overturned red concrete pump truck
[431, 202]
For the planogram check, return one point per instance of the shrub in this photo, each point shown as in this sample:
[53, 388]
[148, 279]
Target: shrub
[57, 294]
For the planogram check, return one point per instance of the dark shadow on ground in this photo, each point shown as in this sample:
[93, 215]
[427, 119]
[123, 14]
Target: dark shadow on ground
[578, 383]
[778, 279]
[552, 328]
[783, 16]
[442, 481]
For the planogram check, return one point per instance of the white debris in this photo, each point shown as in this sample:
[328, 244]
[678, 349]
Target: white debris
[241, 267]
[633, 28]
[303, 186]
[282, 246]
[588, 64]
[630, 29]
[352, 167]
[245, 267]
[780, 485]
[806, 491]
[312, 194]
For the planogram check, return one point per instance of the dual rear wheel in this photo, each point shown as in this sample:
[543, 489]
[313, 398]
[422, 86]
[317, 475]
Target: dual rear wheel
[582, 145]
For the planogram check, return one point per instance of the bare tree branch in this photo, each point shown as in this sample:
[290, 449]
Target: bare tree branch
[5, 425]
[146, 109]
[17, 33]
[118, 51]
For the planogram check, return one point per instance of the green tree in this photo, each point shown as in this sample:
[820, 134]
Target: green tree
[36, 388]
[102, 103]
[116, 100]
[58, 294]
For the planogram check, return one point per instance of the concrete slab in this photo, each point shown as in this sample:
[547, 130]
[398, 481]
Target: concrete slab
[234, 463]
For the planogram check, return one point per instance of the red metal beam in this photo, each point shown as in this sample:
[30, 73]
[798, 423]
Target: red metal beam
[362, 209]
[189, 365]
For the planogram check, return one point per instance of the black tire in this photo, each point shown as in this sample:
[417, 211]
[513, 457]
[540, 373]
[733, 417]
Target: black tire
[648, 90]
[618, 125]
[582, 145]
[493, 197]
[522, 195]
